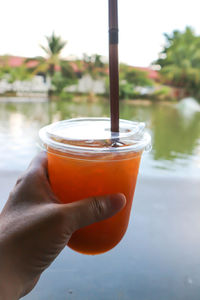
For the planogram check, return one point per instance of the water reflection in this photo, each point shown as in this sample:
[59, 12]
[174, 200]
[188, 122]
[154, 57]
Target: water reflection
[175, 137]
[19, 124]
[174, 134]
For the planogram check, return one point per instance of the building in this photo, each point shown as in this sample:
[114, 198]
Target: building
[40, 83]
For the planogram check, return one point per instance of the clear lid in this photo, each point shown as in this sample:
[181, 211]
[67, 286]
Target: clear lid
[93, 135]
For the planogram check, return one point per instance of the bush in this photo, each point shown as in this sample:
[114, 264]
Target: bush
[59, 82]
[66, 96]
[126, 91]
[163, 93]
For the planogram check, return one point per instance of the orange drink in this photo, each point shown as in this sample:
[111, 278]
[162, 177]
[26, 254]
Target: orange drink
[90, 161]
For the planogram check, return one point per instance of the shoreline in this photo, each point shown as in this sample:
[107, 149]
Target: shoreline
[84, 98]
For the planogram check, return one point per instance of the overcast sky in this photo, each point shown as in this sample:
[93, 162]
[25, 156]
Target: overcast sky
[84, 24]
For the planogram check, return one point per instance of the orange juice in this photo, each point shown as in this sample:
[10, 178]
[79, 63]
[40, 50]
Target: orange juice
[92, 171]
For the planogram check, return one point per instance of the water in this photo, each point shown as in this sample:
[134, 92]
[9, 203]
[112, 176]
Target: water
[158, 259]
[175, 135]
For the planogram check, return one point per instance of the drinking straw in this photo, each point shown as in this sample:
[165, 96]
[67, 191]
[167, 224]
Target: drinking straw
[113, 65]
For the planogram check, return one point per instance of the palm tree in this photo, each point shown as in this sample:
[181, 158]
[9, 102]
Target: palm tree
[53, 51]
[52, 61]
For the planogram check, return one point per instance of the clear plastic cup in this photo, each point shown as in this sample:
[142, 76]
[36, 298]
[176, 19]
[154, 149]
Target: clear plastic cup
[85, 159]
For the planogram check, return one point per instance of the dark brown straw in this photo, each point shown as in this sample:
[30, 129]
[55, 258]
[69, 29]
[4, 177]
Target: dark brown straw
[113, 65]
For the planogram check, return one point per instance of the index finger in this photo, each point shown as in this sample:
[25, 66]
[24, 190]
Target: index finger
[39, 164]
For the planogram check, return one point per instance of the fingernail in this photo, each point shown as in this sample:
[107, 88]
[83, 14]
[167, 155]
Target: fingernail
[117, 201]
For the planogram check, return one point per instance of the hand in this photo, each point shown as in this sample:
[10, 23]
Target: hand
[35, 227]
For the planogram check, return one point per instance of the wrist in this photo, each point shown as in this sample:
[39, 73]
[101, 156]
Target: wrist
[10, 287]
[8, 292]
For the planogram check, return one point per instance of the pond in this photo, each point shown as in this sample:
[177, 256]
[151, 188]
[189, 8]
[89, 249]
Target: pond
[175, 135]
[158, 258]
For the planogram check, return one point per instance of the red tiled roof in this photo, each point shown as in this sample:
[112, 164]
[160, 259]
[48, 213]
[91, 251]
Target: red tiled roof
[74, 66]
[32, 64]
[16, 61]
[152, 74]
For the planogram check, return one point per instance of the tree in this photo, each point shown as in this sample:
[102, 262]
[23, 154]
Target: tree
[20, 73]
[129, 79]
[63, 78]
[52, 64]
[12, 74]
[4, 66]
[53, 51]
[180, 61]
[94, 66]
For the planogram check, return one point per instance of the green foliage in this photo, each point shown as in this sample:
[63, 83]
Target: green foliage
[53, 50]
[126, 90]
[2, 73]
[68, 72]
[55, 45]
[163, 93]
[12, 74]
[94, 66]
[180, 61]
[59, 82]
[65, 77]
[20, 73]
[66, 96]
[129, 79]
[52, 63]
[134, 76]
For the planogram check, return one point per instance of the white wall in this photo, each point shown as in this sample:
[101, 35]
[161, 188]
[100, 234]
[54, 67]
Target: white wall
[87, 84]
[36, 85]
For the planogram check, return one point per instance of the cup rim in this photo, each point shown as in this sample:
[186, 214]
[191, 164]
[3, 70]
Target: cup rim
[141, 143]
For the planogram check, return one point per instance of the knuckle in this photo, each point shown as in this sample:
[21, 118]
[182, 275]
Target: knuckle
[33, 176]
[20, 179]
[98, 208]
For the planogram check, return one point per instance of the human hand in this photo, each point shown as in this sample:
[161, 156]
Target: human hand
[35, 227]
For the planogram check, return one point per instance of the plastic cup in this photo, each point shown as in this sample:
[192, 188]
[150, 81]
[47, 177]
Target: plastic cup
[85, 159]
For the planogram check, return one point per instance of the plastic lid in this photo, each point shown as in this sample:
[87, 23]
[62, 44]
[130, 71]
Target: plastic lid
[93, 135]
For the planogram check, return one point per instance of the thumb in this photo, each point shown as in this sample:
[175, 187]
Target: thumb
[85, 212]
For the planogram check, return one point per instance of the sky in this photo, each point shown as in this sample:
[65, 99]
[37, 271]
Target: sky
[84, 24]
